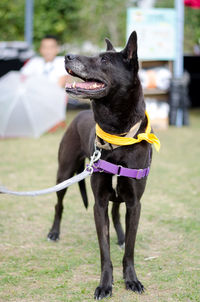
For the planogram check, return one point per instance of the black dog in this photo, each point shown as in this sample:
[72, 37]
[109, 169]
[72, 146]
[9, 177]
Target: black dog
[112, 84]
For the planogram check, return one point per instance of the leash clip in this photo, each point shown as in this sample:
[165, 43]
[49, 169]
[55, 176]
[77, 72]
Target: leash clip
[95, 157]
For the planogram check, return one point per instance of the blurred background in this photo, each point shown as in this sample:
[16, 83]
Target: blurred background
[78, 21]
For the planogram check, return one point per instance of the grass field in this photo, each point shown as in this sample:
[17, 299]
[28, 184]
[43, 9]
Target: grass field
[168, 242]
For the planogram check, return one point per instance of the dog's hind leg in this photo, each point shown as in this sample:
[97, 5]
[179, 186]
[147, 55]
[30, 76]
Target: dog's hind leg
[70, 159]
[55, 229]
[65, 171]
[117, 223]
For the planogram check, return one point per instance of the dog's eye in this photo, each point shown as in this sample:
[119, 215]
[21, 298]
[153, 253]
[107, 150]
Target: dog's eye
[104, 59]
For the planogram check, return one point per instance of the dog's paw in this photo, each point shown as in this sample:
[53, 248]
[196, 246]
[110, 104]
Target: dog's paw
[102, 292]
[54, 236]
[135, 286]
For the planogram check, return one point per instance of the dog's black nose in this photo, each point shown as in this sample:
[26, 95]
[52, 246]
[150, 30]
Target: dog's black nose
[70, 57]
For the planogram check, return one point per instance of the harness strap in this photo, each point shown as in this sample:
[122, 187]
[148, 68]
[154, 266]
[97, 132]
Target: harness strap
[107, 167]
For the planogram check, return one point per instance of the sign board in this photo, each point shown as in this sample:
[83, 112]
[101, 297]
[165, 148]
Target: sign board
[156, 30]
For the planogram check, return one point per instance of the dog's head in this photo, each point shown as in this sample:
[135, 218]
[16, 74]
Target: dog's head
[106, 73]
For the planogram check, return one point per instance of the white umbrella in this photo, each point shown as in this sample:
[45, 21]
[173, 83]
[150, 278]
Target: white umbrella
[29, 107]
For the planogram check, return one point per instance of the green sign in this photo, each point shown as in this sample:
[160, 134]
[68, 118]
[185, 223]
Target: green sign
[156, 30]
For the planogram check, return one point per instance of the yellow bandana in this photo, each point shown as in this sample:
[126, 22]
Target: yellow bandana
[124, 141]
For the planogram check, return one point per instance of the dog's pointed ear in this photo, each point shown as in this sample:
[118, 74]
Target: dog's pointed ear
[109, 45]
[130, 51]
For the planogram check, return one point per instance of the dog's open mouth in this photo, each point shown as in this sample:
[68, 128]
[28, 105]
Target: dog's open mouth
[87, 87]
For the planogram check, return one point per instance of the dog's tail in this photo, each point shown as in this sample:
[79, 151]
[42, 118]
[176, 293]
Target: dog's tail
[82, 186]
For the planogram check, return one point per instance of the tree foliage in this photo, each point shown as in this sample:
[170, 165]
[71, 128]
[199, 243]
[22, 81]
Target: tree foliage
[69, 20]
[11, 20]
[191, 27]
[79, 20]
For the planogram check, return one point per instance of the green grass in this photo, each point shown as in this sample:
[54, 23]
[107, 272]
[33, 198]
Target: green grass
[33, 269]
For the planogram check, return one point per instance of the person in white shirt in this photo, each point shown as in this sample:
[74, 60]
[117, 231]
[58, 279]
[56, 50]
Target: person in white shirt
[49, 64]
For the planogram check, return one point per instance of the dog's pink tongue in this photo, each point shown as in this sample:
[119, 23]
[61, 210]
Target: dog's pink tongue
[85, 85]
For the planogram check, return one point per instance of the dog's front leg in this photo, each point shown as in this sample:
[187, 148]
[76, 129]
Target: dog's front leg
[132, 220]
[101, 194]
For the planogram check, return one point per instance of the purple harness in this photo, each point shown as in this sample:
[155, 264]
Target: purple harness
[107, 167]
